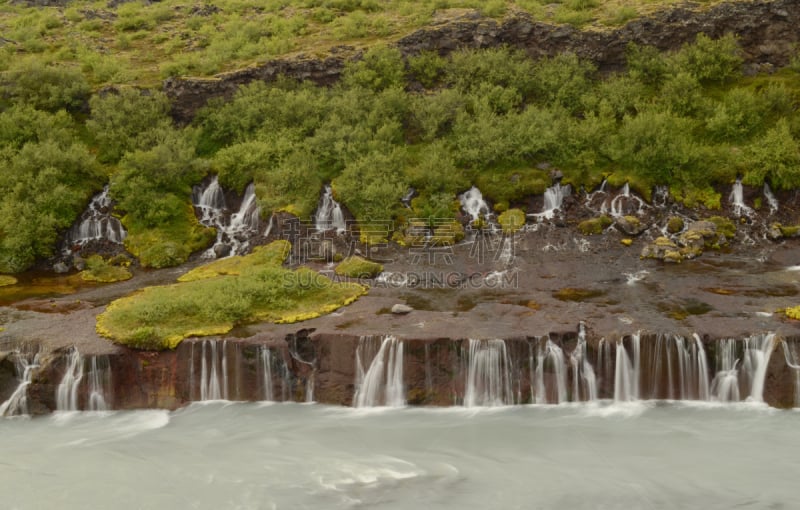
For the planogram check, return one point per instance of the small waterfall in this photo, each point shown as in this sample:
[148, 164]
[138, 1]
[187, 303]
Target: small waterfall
[488, 374]
[99, 383]
[736, 199]
[474, 205]
[772, 202]
[67, 391]
[553, 198]
[625, 203]
[626, 373]
[329, 214]
[96, 223]
[550, 359]
[382, 382]
[17, 403]
[757, 351]
[675, 368]
[265, 354]
[584, 381]
[793, 362]
[213, 371]
[235, 230]
[725, 386]
[660, 196]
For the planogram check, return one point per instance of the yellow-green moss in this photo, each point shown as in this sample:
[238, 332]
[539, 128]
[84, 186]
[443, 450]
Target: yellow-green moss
[272, 254]
[358, 267]
[103, 271]
[789, 231]
[725, 226]
[447, 234]
[160, 317]
[626, 241]
[595, 225]
[793, 312]
[511, 220]
[6, 280]
[674, 224]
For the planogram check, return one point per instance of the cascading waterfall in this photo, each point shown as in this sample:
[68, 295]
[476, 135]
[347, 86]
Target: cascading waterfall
[235, 230]
[725, 386]
[474, 205]
[265, 355]
[382, 382]
[96, 223]
[772, 202]
[553, 199]
[213, 371]
[678, 369]
[67, 391]
[584, 381]
[17, 403]
[793, 362]
[625, 203]
[488, 379]
[757, 351]
[550, 360]
[99, 383]
[626, 373]
[329, 214]
[736, 199]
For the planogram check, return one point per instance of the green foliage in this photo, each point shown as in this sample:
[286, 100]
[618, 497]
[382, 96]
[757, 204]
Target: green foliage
[126, 121]
[358, 267]
[595, 225]
[371, 187]
[101, 270]
[46, 87]
[710, 60]
[774, 157]
[511, 220]
[427, 68]
[646, 64]
[562, 80]
[725, 226]
[160, 317]
[380, 68]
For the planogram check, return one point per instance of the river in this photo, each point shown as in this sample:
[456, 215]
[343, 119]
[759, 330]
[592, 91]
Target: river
[642, 455]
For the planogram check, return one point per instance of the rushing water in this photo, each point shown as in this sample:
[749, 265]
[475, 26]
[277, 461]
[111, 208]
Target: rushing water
[292, 456]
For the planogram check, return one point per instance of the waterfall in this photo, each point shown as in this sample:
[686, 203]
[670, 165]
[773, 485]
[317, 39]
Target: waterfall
[234, 230]
[725, 386]
[474, 205]
[584, 381]
[626, 373]
[67, 391]
[213, 371]
[96, 223]
[757, 351]
[677, 368]
[17, 403]
[551, 356]
[266, 372]
[793, 362]
[382, 382]
[736, 199]
[488, 374]
[553, 198]
[99, 383]
[625, 203]
[772, 202]
[329, 214]
[660, 196]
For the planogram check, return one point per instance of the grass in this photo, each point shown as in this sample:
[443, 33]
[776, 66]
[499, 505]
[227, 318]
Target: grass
[101, 270]
[358, 267]
[151, 41]
[252, 288]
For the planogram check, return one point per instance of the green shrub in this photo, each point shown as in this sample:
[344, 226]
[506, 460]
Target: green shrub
[103, 271]
[47, 87]
[381, 67]
[710, 60]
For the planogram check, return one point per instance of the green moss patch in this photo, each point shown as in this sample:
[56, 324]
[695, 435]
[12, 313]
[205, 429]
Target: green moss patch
[595, 225]
[793, 312]
[511, 220]
[358, 267]
[103, 271]
[6, 280]
[272, 254]
[161, 317]
[725, 226]
[573, 294]
[675, 224]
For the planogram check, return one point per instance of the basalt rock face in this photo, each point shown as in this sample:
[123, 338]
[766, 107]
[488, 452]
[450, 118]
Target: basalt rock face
[766, 31]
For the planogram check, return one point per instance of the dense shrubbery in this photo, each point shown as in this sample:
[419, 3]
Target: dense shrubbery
[486, 117]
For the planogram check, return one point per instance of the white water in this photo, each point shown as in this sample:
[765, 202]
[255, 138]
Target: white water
[793, 362]
[213, 370]
[474, 205]
[736, 199]
[772, 202]
[488, 377]
[553, 199]
[381, 384]
[757, 351]
[234, 229]
[329, 214]
[584, 380]
[99, 383]
[626, 373]
[17, 403]
[261, 457]
[67, 391]
[550, 361]
[625, 203]
[96, 223]
[265, 354]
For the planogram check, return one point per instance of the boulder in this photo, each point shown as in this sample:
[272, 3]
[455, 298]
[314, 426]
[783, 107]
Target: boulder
[401, 309]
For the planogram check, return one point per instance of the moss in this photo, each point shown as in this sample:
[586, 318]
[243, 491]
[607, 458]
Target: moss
[665, 242]
[505, 184]
[793, 312]
[511, 220]
[358, 267]
[673, 256]
[161, 317]
[573, 294]
[595, 225]
[724, 226]
[447, 234]
[675, 224]
[103, 271]
[272, 254]
[626, 241]
[6, 280]
[706, 197]
[789, 231]
[168, 245]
